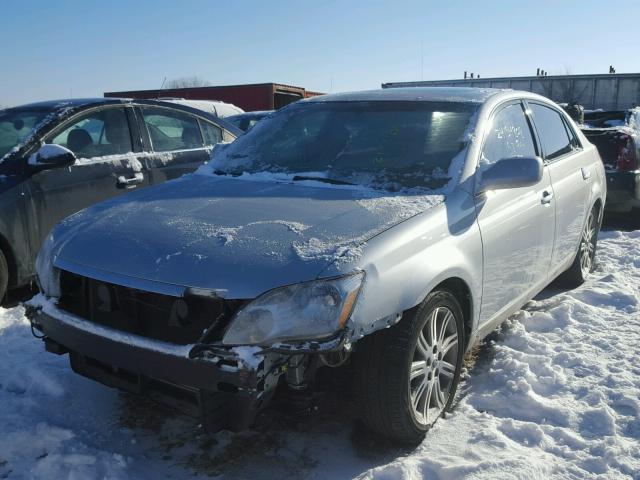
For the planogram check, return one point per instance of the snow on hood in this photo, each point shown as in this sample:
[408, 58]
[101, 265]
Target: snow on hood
[231, 234]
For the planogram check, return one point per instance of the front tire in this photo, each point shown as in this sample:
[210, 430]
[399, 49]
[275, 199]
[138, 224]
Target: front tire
[406, 376]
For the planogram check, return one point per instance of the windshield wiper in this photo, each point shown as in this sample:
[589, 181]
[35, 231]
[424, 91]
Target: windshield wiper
[332, 181]
[223, 173]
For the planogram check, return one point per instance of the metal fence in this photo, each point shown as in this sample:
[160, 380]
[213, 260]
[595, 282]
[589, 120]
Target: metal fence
[616, 91]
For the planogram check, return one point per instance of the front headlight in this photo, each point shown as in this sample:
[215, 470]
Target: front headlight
[304, 311]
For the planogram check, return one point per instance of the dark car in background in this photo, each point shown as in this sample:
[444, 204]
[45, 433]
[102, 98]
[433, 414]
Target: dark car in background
[616, 135]
[59, 157]
[245, 121]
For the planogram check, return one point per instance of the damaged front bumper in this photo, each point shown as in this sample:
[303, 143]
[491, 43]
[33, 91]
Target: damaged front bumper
[221, 386]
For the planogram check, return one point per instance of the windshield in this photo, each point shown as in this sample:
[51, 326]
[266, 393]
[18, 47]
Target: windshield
[16, 126]
[391, 145]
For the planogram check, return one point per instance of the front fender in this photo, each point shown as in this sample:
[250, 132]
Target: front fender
[408, 261]
[14, 240]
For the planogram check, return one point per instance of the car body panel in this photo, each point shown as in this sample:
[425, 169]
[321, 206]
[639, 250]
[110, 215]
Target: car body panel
[518, 239]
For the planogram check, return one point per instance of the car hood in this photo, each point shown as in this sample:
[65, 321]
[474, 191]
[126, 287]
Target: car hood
[234, 235]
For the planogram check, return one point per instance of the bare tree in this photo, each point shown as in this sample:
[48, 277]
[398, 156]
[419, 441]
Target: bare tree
[186, 82]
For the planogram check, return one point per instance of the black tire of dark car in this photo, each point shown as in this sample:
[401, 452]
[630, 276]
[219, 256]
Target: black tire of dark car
[4, 276]
[582, 266]
[384, 362]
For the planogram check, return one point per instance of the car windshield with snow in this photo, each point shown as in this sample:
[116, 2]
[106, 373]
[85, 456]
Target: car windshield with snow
[59, 157]
[352, 143]
[386, 232]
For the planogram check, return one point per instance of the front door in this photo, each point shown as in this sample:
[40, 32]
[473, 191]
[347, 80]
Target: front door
[517, 225]
[105, 167]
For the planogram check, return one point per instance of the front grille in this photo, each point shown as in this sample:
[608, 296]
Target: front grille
[161, 317]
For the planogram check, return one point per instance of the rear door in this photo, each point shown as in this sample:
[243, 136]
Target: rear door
[516, 224]
[178, 142]
[106, 166]
[571, 176]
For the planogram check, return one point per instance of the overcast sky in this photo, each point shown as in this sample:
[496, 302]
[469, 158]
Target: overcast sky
[60, 49]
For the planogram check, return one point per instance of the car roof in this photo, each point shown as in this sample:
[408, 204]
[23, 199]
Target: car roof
[79, 104]
[412, 94]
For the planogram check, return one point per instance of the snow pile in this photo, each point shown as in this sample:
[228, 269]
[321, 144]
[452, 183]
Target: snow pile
[554, 394]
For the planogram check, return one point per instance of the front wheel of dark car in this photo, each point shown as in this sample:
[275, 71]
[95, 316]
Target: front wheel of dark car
[406, 376]
[584, 263]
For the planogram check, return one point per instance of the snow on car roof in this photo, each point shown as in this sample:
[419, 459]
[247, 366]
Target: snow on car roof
[413, 94]
[69, 102]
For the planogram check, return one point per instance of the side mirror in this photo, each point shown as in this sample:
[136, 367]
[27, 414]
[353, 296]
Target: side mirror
[511, 173]
[51, 155]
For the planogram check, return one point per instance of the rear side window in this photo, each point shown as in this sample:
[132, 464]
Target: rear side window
[96, 134]
[510, 136]
[553, 133]
[212, 134]
[171, 130]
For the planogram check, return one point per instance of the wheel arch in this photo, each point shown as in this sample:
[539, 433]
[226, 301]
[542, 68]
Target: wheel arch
[461, 290]
[599, 204]
[9, 256]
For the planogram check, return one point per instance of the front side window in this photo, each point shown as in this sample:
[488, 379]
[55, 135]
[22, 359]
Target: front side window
[96, 134]
[171, 130]
[509, 136]
[552, 131]
[384, 144]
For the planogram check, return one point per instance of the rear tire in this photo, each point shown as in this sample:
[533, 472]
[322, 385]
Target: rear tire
[4, 277]
[406, 376]
[584, 263]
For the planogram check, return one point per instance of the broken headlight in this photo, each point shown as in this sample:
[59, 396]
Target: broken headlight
[304, 311]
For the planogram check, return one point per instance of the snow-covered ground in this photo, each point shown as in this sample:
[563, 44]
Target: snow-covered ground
[554, 394]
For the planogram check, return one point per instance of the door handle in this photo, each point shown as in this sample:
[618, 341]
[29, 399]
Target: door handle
[129, 182]
[546, 197]
[586, 173]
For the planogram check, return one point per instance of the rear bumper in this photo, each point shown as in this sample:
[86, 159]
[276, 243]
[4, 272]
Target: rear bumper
[165, 372]
[623, 191]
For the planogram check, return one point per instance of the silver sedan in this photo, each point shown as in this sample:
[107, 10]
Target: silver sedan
[389, 229]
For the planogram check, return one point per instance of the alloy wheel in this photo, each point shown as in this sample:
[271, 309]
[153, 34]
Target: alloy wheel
[588, 245]
[433, 366]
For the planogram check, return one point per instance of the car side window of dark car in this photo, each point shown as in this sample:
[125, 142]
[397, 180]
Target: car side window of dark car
[552, 131]
[509, 135]
[172, 130]
[212, 133]
[96, 134]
